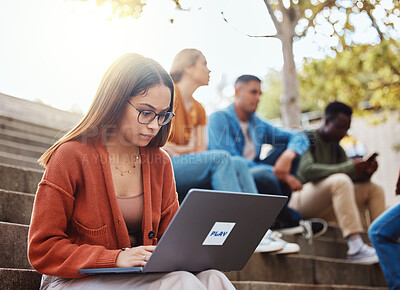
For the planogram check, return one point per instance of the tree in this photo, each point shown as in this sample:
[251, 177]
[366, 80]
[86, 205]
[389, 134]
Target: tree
[294, 19]
[356, 75]
[364, 74]
[124, 8]
[269, 105]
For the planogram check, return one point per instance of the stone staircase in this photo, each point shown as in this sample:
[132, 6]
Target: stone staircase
[24, 138]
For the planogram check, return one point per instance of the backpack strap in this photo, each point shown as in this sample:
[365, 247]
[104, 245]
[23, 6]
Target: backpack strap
[311, 139]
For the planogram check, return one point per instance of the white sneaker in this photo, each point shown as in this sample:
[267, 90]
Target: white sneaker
[272, 242]
[288, 248]
[366, 255]
[268, 244]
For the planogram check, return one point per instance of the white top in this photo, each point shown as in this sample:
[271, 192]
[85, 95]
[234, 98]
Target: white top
[249, 150]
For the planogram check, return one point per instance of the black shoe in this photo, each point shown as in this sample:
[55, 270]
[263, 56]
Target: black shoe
[286, 228]
[313, 227]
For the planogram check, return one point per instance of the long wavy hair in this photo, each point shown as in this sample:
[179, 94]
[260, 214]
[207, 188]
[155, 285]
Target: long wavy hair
[129, 76]
[184, 59]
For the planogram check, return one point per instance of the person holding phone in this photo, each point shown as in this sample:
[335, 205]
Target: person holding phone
[108, 186]
[337, 188]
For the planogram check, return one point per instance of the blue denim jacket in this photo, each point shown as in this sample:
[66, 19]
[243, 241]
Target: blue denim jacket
[224, 133]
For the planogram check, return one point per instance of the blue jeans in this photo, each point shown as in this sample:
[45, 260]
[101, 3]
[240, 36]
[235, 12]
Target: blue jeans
[215, 169]
[384, 233]
[267, 183]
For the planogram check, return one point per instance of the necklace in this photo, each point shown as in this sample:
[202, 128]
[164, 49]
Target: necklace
[129, 171]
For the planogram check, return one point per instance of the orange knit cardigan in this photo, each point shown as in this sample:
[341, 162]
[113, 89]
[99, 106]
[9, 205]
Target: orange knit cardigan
[76, 221]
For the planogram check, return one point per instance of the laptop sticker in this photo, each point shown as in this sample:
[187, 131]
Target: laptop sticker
[218, 234]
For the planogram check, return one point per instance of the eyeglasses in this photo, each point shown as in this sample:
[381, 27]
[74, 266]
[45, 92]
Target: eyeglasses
[147, 116]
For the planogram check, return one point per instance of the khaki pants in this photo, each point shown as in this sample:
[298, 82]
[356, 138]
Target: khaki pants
[336, 197]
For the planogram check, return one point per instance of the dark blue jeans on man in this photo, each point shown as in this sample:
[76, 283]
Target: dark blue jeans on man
[267, 183]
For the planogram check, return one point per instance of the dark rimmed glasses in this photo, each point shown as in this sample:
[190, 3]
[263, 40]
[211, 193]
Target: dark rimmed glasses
[147, 116]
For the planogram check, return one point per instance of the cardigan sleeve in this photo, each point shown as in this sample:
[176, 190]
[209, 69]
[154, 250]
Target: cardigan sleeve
[170, 202]
[50, 251]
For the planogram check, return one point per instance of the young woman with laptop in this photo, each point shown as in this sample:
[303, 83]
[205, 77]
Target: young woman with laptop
[108, 186]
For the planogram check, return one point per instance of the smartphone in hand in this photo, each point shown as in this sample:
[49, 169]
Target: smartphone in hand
[372, 157]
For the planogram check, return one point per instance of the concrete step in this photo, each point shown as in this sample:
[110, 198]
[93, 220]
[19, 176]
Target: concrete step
[334, 232]
[308, 270]
[13, 250]
[321, 246]
[19, 179]
[17, 125]
[19, 160]
[331, 244]
[21, 279]
[257, 285]
[16, 207]
[30, 280]
[26, 138]
[21, 149]
[36, 113]
[261, 267]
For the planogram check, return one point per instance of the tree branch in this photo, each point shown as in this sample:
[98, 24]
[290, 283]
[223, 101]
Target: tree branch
[384, 84]
[374, 24]
[282, 7]
[177, 4]
[394, 70]
[272, 36]
[311, 20]
[301, 9]
[271, 13]
[249, 35]
[298, 15]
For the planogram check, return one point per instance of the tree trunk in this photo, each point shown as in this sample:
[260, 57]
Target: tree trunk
[289, 101]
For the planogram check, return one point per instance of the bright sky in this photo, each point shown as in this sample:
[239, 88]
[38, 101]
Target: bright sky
[57, 51]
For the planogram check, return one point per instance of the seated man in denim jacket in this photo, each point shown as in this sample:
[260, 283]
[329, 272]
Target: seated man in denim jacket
[238, 130]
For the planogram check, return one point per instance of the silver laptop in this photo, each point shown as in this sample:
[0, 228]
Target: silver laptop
[211, 230]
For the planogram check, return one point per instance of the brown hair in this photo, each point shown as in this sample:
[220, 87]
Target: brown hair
[129, 76]
[185, 58]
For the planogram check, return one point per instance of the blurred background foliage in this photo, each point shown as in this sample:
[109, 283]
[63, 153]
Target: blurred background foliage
[363, 76]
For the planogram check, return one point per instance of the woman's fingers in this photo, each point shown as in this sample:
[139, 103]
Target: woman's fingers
[148, 248]
[134, 257]
[142, 250]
